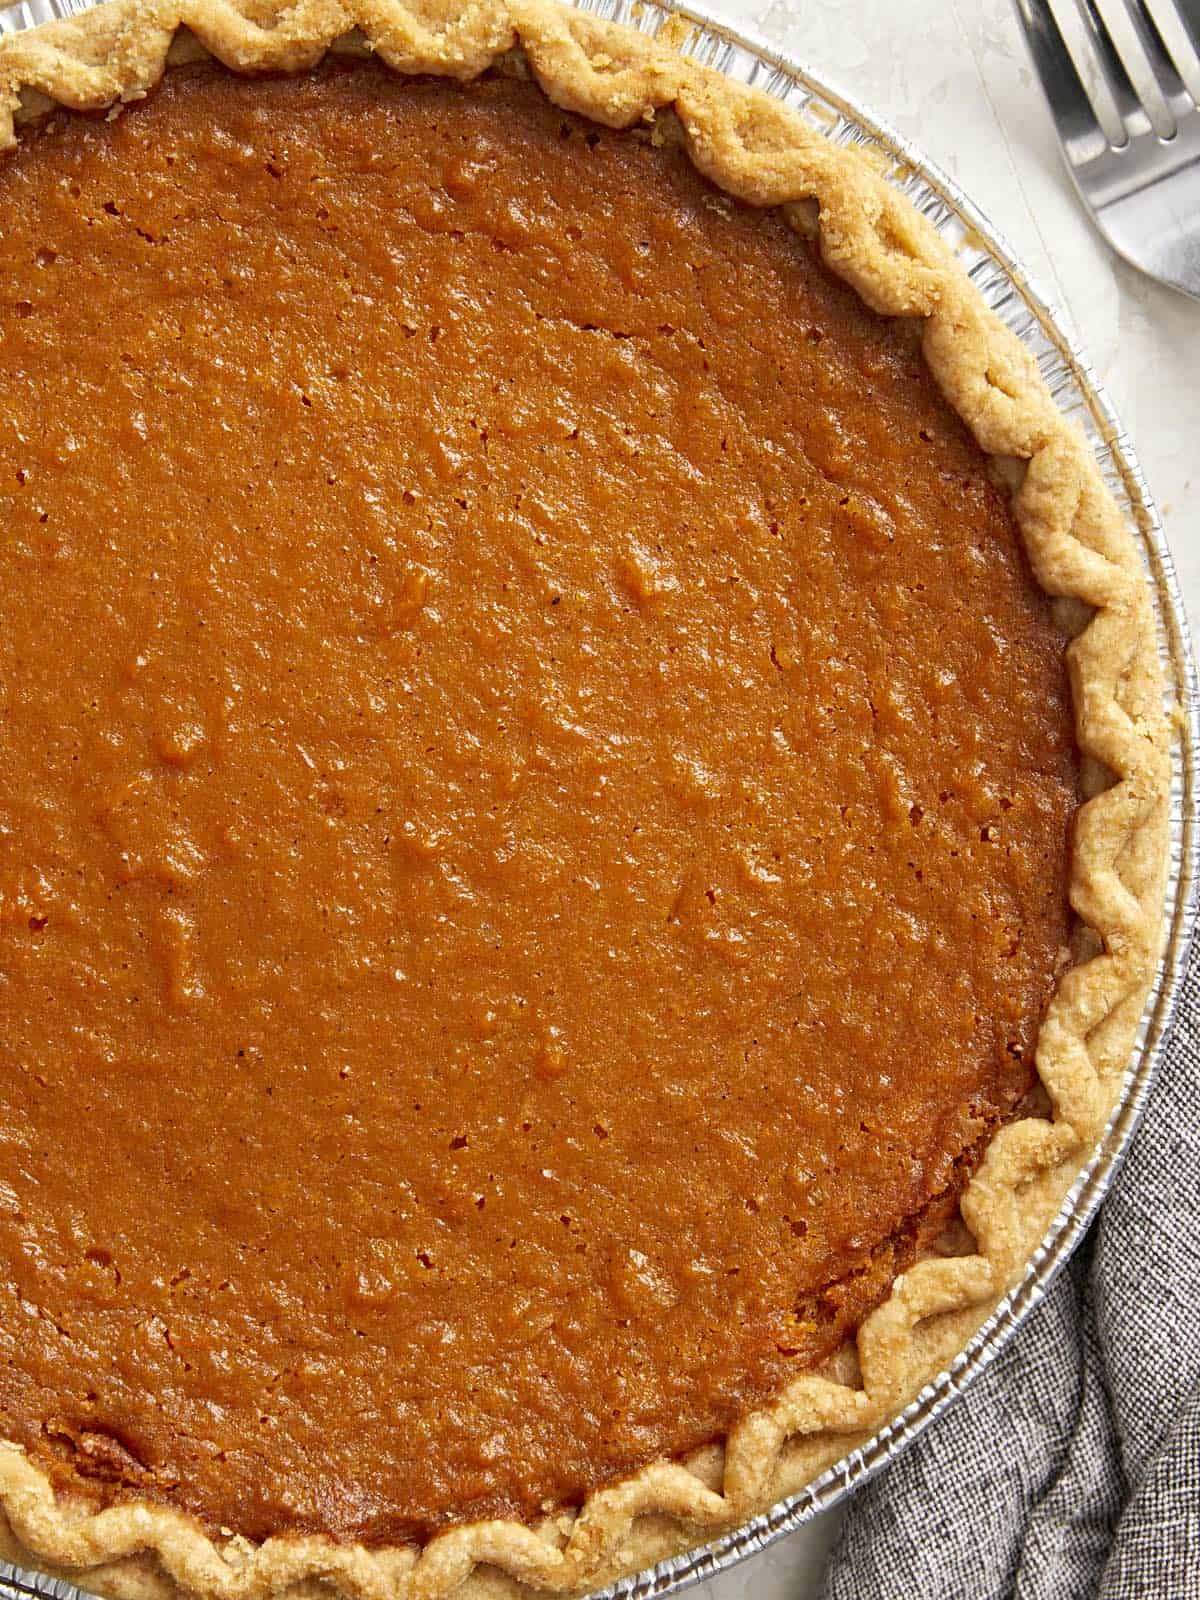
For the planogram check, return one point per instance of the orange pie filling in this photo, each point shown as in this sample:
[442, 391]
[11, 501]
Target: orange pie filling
[535, 786]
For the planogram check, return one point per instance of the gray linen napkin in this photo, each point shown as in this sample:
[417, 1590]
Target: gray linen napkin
[1071, 1466]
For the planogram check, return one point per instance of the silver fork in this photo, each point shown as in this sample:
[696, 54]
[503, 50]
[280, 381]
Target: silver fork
[1123, 81]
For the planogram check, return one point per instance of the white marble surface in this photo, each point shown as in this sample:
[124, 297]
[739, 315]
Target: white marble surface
[953, 76]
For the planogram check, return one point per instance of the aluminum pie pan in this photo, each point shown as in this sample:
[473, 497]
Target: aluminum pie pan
[1014, 295]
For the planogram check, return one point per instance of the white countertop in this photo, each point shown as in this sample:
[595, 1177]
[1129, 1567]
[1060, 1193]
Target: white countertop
[953, 76]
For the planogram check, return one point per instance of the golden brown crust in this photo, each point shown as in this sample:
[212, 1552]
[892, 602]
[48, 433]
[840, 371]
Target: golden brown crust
[1079, 549]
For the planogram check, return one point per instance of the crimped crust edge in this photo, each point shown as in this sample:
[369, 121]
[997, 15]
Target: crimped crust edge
[1079, 549]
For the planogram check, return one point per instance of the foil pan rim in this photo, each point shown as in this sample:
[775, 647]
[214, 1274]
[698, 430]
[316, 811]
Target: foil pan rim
[1016, 295]
[932, 189]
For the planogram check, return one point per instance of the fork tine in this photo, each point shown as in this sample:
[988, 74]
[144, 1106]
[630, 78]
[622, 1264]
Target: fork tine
[1078, 125]
[1148, 67]
[1139, 190]
[1186, 14]
[1177, 24]
[1108, 78]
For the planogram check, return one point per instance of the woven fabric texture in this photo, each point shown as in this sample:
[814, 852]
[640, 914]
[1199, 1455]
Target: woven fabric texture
[1070, 1470]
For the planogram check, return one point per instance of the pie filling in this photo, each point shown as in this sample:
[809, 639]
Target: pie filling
[535, 785]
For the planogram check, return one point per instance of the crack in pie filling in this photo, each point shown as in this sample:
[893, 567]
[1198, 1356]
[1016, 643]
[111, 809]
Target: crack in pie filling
[537, 786]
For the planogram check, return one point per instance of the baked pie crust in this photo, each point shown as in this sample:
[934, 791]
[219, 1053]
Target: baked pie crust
[1080, 552]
